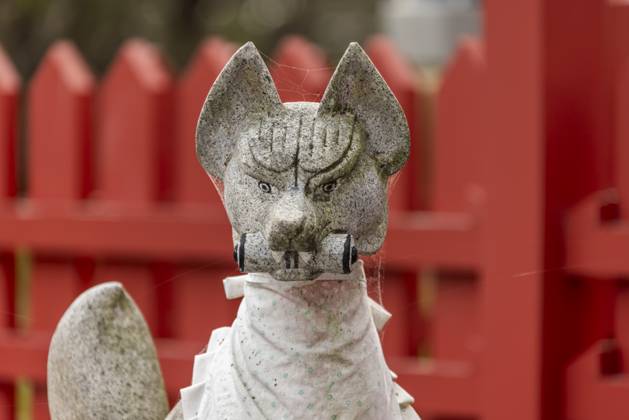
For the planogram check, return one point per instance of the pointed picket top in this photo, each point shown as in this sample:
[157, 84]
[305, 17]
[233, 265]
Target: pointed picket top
[135, 122]
[10, 86]
[10, 81]
[300, 70]
[64, 62]
[139, 61]
[192, 185]
[60, 127]
[460, 145]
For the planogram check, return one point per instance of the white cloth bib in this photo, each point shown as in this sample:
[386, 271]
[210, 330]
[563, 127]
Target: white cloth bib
[297, 350]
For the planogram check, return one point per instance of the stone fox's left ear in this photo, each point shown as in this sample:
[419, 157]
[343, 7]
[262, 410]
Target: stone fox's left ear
[357, 87]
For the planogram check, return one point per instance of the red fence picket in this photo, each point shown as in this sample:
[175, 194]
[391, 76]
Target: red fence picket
[10, 85]
[59, 175]
[597, 378]
[134, 154]
[9, 94]
[459, 186]
[60, 116]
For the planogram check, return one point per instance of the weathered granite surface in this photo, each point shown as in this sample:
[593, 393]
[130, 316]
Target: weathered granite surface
[297, 173]
[102, 362]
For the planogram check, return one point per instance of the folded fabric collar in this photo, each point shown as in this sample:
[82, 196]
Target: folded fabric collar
[357, 273]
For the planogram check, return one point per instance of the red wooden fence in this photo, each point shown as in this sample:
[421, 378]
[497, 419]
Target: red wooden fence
[525, 233]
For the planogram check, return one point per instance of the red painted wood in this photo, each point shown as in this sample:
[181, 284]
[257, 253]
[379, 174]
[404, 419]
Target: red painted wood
[595, 247]
[401, 334]
[460, 146]
[455, 328]
[27, 353]
[514, 272]
[59, 174]
[622, 326]
[442, 389]
[60, 127]
[136, 123]
[54, 285]
[200, 301]
[591, 395]
[40, 404]
[300, 70]
[8, 321]
[135, 128]
[59, 170]
[581, 116]
[192, 185]
[460, 182]
[7, 401]
[10, 84]
[8, 315]
[622, 138]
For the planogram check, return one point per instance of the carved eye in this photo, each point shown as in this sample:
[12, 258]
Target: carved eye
[265, 187]
[330, 186]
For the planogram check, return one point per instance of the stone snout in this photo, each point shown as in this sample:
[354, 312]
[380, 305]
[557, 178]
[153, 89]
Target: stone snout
[336, 254]
[291, 245]
[292, 223]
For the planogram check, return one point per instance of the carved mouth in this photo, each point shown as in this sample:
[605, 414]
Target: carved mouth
[336, 254]
[292, 259]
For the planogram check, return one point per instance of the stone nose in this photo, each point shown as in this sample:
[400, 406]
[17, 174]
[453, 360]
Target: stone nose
[288, 221]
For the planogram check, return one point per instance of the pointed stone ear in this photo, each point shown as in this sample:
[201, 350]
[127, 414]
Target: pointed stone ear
[242, 93]
[357, 87]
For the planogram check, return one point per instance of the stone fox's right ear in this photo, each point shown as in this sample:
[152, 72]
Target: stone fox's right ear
[242, 94]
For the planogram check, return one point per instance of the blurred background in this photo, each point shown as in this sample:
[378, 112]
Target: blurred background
[505, 264]
[98, 28]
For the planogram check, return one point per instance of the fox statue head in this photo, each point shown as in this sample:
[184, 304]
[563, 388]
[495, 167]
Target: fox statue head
[304, 184]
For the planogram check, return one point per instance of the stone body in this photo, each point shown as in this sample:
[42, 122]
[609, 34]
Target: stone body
[305, 189]
[102, 362]
[297, 350]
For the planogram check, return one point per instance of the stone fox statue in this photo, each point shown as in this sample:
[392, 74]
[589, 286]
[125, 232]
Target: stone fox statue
[305, 188]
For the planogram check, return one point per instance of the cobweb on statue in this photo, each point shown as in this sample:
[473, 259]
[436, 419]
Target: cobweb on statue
[299, 84]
